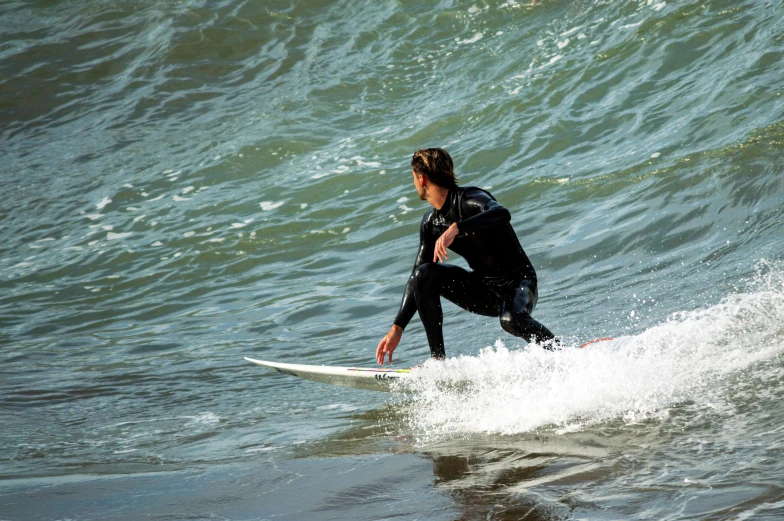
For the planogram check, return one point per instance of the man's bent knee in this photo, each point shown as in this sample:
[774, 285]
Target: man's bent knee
[520, 324]
[512, 323]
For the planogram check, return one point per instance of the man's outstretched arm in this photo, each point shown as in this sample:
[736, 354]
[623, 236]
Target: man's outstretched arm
[408, 307]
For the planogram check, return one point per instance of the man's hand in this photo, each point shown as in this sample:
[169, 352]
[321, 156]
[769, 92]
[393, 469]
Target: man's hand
[388, 344]
[444, 242]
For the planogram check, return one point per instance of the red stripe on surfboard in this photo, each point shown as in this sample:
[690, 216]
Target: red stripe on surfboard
[596, 340]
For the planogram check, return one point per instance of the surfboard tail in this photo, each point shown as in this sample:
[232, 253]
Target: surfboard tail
[372, 379]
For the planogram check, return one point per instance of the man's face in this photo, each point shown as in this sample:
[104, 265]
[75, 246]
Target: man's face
[418, 185]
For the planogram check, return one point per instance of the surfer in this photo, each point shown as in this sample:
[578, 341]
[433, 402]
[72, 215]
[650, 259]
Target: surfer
[470, 222]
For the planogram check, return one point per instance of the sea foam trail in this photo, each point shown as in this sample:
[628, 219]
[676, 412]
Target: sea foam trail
[684, 359]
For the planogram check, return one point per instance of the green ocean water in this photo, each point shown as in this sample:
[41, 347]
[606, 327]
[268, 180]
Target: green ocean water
[184, 184]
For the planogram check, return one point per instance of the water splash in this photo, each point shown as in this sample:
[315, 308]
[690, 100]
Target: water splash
[685, 359]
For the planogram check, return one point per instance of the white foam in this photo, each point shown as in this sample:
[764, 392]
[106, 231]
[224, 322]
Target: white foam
[554, 59]
[687, 358]
[260, 449]
[180, 199]
[103, 203]
[111, 236]
[475, 38]
[371, 164]
[207, 417]
[267, 206]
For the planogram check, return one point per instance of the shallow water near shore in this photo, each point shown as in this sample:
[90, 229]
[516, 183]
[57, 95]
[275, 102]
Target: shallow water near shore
[187, 184]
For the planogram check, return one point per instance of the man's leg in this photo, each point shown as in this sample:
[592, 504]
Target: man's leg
[460, 287]
[516, 311]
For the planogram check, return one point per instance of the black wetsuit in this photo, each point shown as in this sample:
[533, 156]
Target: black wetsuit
[502, 283]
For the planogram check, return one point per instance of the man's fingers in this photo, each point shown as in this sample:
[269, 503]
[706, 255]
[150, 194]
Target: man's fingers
[440, 252]
[390, 357]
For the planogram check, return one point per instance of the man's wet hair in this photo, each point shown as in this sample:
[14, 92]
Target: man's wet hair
[436, 165]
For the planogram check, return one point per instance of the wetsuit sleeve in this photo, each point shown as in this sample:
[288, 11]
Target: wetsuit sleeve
[480, 210]
[408, 305]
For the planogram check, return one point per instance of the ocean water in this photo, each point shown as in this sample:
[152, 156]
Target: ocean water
[184, 184]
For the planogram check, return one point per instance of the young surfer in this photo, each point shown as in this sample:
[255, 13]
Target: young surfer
[470, 222]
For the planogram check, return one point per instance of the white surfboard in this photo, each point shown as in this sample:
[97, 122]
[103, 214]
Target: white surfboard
[357, 377]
